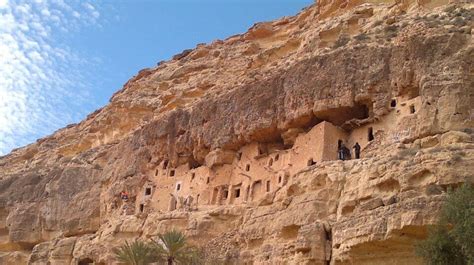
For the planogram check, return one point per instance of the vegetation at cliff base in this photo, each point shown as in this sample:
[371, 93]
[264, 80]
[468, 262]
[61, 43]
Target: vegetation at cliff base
[451, 240]
[135, 253]
[170, 248]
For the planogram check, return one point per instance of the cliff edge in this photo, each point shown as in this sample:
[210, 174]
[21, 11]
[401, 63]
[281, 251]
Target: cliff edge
[237, 144]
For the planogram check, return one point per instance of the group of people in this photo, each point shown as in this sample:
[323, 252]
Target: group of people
[344, 153]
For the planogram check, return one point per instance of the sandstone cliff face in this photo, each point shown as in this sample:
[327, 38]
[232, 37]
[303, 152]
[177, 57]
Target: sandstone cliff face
[343, 62]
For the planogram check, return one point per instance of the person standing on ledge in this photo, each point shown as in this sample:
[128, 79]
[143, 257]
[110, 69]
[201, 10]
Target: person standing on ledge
[357, 150]
[340, 152]
[346, 153]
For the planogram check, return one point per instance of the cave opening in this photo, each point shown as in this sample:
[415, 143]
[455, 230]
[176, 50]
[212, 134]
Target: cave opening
[340, 115]
[85, 261]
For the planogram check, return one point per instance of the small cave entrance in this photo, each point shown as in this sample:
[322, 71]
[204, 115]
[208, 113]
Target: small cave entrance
[412, 109]
[142, 207]
[193, 163]
[85, 261]
[310, 162]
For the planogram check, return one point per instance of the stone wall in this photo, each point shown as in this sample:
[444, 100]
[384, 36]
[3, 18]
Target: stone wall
[271, 92]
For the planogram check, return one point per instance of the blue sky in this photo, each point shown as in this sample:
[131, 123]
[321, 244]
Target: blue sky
[60, 60]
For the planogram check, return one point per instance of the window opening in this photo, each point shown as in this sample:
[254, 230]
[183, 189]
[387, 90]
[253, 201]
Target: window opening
[393, 103]
[148, 191]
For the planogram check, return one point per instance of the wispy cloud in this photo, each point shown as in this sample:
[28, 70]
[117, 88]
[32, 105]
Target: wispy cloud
[43, 83]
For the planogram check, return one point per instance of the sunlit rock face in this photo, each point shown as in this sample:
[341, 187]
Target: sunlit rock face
[236, 144]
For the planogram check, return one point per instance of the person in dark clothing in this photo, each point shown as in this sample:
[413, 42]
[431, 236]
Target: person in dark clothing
[343, 152]
[346, 152]
[340, 153]
[357, 150]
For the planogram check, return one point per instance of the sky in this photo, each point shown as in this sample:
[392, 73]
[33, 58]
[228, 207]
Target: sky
[62, 59]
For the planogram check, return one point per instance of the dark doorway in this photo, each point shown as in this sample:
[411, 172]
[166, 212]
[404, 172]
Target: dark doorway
[393, 103]
[370, 134]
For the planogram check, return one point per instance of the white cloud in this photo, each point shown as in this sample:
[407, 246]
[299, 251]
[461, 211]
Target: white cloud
[3, 4]
[42, 80]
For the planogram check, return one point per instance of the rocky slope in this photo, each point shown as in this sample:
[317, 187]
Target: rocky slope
[279, 78]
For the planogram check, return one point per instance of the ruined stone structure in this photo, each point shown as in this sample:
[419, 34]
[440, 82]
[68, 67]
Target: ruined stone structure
[236, 144]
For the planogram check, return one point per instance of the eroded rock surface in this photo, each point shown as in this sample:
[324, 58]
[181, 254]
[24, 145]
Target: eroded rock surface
[235, 143]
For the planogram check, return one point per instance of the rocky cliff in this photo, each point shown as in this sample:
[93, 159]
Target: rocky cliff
[211, 124]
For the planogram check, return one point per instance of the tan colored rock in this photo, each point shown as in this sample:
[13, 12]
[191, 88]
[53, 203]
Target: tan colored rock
[236, 144]
[219, 157]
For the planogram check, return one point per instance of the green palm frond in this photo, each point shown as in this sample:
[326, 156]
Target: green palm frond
[173, 248]
[135, 253]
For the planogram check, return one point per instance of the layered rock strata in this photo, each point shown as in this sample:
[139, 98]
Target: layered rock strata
[396, 77]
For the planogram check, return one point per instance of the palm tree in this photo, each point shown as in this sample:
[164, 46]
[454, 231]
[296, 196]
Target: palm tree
[173, 248]
[136, 253]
